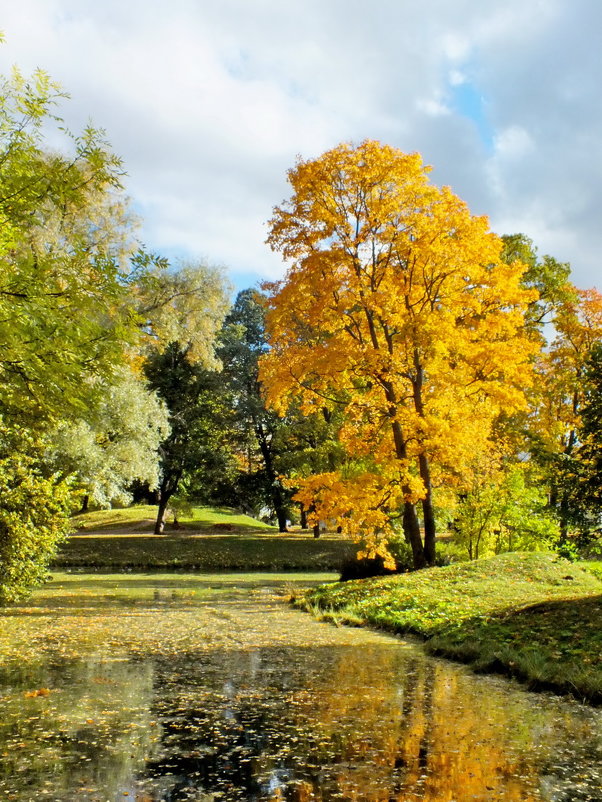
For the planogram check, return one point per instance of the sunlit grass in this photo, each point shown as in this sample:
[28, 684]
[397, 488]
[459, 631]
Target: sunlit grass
[594, 566]
[142, 516]
[210, 539]
[532, 615]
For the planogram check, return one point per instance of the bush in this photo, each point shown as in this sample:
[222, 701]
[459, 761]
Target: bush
[568, 550]
[33, 515]
[363, 568]
[401, 551]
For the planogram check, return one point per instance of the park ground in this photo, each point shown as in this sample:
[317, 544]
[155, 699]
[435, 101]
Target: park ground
[209, 540]
[532, 616]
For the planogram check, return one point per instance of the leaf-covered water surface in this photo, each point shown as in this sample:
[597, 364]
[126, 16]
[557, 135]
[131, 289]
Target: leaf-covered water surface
[191, 687]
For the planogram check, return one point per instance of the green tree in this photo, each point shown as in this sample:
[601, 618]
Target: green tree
[66, 246]
[587, 464]
[185, 304]
[241, 343]
[115, 445]
[558, 399]
[504, 509]
[549, 277]
[33, 513]
[197, 447]
[308, 445]
[181, 312]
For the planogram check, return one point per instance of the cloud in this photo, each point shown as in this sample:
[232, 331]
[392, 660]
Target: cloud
[210, 103]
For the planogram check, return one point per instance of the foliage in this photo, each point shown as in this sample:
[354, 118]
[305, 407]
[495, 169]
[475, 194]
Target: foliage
[181, 313]
[547, 276]
[589, 453]
[115, 444]
[80, 301]
[33, 514]
[594, 566]
[242, 341]
[196, 450]
[185, 305]
[398, 309]
[504, 509]
[533, 615]
[65, 251]
[558, 404]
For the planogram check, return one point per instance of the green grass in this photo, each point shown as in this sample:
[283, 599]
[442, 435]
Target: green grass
[594, 566]
[141, 517]
[533, 616]
[209, 540]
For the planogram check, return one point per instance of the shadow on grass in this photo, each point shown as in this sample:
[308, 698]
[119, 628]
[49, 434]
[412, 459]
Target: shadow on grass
[216, 552]
[189, 528]
[555, 645]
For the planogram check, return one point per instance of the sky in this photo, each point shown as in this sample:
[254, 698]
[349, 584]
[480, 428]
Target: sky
[210, 102]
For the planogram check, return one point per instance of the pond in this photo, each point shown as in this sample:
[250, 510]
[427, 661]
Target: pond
[197, 687]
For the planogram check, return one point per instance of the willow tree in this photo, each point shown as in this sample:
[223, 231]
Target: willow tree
[398, 308]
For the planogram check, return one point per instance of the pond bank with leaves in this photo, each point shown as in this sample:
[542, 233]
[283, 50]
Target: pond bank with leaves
[533, 616]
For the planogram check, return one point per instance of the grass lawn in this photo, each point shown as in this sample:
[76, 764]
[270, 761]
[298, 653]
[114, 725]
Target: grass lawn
[534, 616]
[209, 540]
[141, 518]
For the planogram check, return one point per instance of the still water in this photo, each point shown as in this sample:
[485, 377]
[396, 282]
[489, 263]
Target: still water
[212, 688]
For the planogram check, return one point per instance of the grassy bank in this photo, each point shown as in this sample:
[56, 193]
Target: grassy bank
[207, 540]
[533, 616]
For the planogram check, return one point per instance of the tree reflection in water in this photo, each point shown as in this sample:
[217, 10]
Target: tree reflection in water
[375, 725]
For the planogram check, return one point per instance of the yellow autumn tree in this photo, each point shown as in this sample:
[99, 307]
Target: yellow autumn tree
[398, 308]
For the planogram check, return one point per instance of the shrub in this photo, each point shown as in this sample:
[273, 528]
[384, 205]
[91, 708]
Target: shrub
[33, 515]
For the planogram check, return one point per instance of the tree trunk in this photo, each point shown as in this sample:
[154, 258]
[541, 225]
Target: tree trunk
[278, 501]
[411, 530]
[564, 517]
[411, 526]
[428, 511]
[303, 513]
[160, 522]
[564, 508]
[85, 503]
[316, 530]
[282, 517]
[424, 470]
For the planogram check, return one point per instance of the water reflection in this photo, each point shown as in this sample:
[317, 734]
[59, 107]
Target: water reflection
[331, 724]
[374, 721]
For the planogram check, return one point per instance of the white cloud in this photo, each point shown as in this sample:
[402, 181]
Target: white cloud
[209, 103]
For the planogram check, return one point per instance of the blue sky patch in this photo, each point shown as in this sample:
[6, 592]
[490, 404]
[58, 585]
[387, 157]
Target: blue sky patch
[467, 100]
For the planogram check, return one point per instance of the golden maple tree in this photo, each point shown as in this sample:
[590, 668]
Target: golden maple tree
[398, 308]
